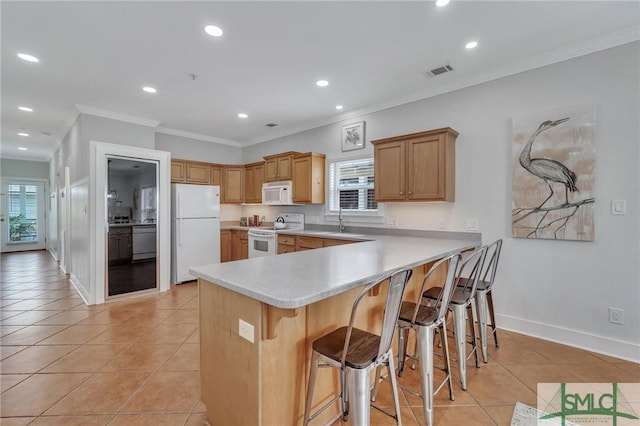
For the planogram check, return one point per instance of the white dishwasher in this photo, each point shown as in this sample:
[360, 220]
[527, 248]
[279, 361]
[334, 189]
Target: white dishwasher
[144, 242]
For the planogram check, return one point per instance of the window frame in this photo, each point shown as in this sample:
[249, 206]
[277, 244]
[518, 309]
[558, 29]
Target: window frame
[331, 208]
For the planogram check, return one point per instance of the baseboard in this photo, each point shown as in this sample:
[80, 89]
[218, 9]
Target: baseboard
[603, 345]
[53, 254]
[78, 286]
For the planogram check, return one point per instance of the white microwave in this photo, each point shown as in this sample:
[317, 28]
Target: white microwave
[277, 193]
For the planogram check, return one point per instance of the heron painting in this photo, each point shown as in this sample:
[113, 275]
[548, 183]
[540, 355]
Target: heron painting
[553, 175]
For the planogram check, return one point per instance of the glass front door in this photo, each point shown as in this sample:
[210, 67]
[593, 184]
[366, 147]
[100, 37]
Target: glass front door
[22, 215]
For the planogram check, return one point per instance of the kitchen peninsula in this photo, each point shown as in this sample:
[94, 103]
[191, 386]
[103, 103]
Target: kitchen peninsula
[258, 318]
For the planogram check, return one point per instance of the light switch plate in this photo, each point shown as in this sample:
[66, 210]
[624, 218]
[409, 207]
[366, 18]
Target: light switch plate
[245, 330]
[618, 207]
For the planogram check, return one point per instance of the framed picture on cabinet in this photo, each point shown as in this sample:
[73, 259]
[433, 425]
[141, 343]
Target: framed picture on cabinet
[353, 136]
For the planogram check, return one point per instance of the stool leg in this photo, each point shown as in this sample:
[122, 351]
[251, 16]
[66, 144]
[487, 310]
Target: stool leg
[493, 318]
[359, 394]
[313, 372]
[394, 388]
[376, 383]
[425, 355]
[460, 333]
[403, 334]
[481, 311]
[471, 307]
[447, 362]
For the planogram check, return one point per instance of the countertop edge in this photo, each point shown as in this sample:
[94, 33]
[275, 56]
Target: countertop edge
[357, 279]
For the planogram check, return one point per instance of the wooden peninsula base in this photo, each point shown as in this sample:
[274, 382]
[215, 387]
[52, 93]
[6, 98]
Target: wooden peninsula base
[264, 382]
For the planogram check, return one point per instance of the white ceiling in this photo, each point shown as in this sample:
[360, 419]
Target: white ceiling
[99, 55]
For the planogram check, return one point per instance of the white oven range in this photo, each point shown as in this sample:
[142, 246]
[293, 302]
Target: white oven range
[264, 241]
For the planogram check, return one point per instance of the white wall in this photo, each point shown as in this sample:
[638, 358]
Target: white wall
[558, 290]
[197, 150]
[80, 273]
[24, 169]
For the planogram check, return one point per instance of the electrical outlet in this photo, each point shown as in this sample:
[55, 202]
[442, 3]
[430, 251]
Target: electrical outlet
[472, 224]
[390, 221]
[245, 330]
[442, 224]
[616, 316]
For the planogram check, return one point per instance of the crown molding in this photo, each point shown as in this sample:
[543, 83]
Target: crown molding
[197, 136]
[84, 109]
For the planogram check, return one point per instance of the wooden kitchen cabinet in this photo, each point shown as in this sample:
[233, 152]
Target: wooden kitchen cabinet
[178, 174]
[225, 246]
[197, 172]
[233, 182]
[286, 243]
[278, 167]
[308, 243]
[416, 167]
[185, 171]
[253, 180]
[239, 245]
[120, 250]
[308, 178]
[292, 243]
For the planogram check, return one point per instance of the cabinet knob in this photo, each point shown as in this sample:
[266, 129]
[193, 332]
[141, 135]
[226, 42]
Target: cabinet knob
[401, 193]
[409, 192]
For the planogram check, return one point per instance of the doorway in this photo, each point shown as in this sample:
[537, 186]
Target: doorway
[22, 215]
[131, 212]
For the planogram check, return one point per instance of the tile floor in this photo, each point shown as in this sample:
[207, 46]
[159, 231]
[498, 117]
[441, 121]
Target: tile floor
[135, 361]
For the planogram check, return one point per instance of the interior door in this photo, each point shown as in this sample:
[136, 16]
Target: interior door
[22, 215]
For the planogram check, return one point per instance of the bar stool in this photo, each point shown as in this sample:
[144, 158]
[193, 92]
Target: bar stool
[484, 299]
[426, 320]
[356, 353]
[463, 300]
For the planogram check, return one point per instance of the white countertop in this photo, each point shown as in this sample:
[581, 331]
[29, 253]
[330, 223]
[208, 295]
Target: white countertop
[298, 279]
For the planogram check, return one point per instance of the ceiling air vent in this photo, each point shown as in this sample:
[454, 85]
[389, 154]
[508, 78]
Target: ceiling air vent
[439, 70]
[271, 124]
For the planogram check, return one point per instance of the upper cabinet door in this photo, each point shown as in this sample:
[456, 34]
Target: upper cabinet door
[389, 174]
[284, 168]
[177, 171]
[197, 173]
[425, 168]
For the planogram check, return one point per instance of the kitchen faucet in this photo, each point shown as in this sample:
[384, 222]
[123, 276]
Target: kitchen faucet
[340, 224]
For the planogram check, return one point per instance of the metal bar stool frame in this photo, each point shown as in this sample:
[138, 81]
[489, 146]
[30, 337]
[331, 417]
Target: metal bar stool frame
[355, 385]
[427, 321]
[463, 300]
[484, 298]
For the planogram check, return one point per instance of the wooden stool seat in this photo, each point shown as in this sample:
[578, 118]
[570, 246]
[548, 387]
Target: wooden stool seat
[362, 351]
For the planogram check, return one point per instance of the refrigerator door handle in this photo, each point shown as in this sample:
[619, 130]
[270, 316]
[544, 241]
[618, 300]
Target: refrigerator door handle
[180, 224]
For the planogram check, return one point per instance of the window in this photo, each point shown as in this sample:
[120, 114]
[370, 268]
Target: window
[23, 210]
[351, 186]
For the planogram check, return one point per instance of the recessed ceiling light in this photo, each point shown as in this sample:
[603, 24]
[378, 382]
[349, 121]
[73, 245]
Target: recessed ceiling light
[149, 89]
[213, 31]
[27, 109]
[27, 57]
[243, 115]
[23, 134]
[322, 83]
[441, 3]
[471, 45]
[22, 148]
[339, 107]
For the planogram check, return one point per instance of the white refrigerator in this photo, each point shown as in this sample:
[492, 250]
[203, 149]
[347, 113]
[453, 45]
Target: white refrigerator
[195, 230]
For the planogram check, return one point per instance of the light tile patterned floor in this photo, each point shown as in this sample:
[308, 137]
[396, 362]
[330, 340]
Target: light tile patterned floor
[136, 361]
